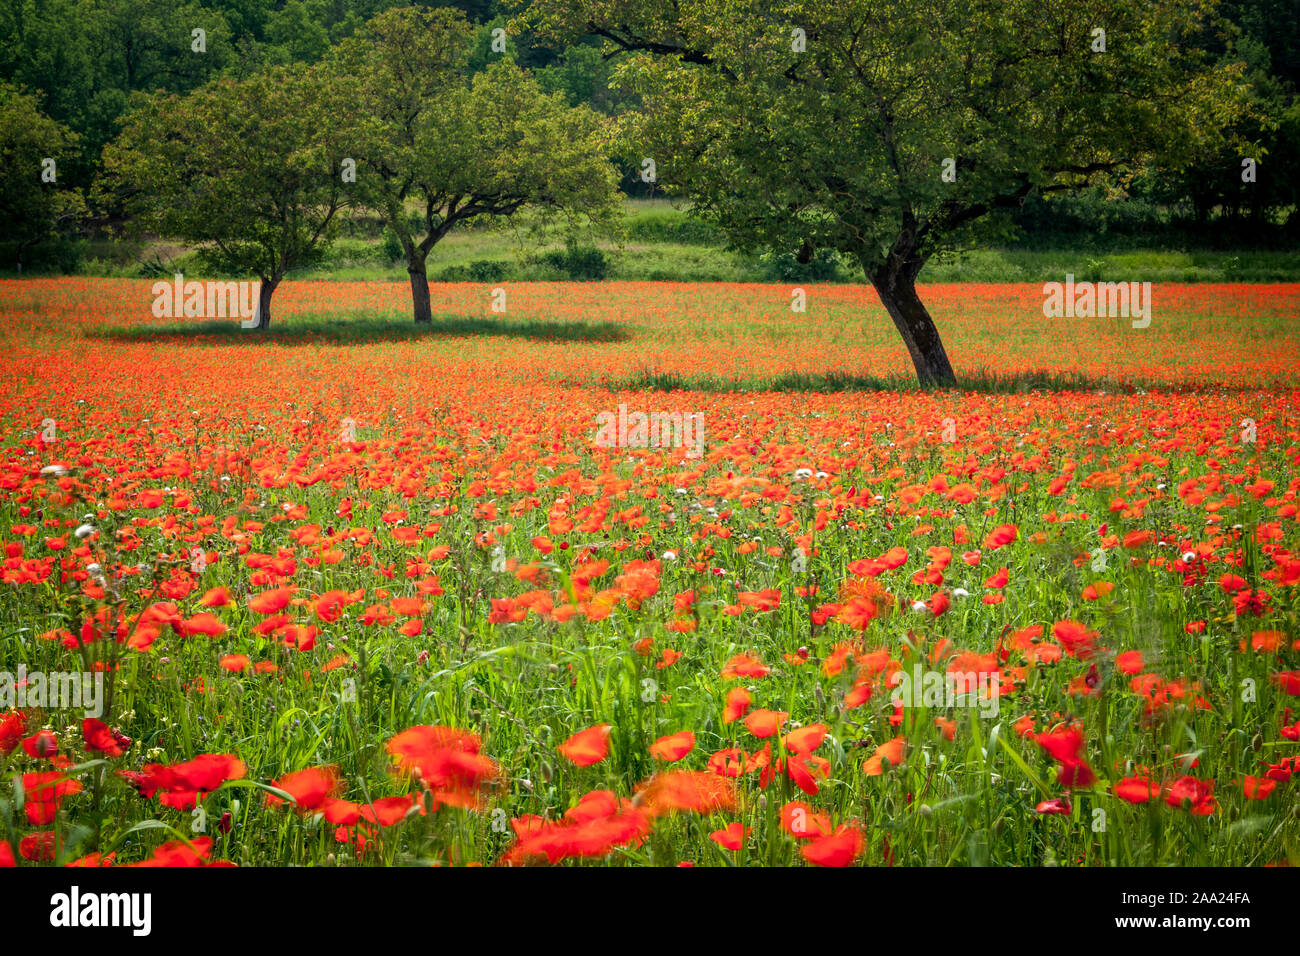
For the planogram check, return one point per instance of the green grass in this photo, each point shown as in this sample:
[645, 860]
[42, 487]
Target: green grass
[236, 450]
[661, 242]
[989, 383]
[331, 328]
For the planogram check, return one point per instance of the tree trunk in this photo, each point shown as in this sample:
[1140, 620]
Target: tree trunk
[264, 293]
[419, 289]
[896, 287]
[22, 246]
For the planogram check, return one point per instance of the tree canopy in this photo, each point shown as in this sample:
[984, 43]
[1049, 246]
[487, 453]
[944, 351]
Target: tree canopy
[889, 130]
[458, 146]
[251, 170]
[35, 202]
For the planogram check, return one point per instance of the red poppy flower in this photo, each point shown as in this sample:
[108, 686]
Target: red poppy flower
[673, 747]
[731, 837]
[587, 747]
[840, 848]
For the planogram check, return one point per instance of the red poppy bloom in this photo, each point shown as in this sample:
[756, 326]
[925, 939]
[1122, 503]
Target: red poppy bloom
[673, 747]
[587, 747]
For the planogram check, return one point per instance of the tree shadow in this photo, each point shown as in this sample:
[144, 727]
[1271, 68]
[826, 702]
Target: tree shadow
[981, 382]
[329, 330]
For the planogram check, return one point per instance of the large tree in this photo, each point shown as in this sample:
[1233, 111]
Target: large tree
[250, 170]
[36, 202]
[804, 124]
[438, 148]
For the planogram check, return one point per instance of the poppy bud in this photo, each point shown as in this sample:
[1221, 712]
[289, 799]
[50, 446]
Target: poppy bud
[226, 822]
[546, 772]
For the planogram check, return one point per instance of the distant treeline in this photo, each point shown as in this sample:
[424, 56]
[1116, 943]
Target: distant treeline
[82, 60]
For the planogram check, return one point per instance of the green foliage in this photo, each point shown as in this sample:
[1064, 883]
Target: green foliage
[301, 37]
[892, 131]
[671, 225]
[41, 48]
[248, 169]
[583, 74]
[843, 143]
[480, 270]
[579, 263]
[824, 266]
[86, 58]
[391, 247]
[32, 209]
[462, 146]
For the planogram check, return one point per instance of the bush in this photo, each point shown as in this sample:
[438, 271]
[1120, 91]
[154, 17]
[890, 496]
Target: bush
[826, 266]
[480, 270]
[578, 263]
[390, 249]
[669, 225]
[342, 252]
[1088, 218]
[62, 254]
[157, 265]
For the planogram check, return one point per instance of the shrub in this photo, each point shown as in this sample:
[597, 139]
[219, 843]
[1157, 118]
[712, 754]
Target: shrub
[390, 249]
[578, 263]
[826, 266]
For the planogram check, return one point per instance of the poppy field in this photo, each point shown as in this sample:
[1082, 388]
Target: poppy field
[360, 593]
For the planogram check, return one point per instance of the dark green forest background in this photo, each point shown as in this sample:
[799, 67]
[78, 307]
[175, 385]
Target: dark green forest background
[83, 60]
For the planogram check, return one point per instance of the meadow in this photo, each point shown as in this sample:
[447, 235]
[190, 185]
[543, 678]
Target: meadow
[367, 593]
[657, 240]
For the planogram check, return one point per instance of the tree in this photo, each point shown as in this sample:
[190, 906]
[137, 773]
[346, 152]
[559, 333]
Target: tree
[251, 170]
[890, 130]
[461, 147]
[1264, 35]
[34, 203]
[303, 38]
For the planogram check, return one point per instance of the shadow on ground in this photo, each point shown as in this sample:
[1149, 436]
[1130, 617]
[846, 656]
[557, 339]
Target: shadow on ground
[325, 330]
[979, 382]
